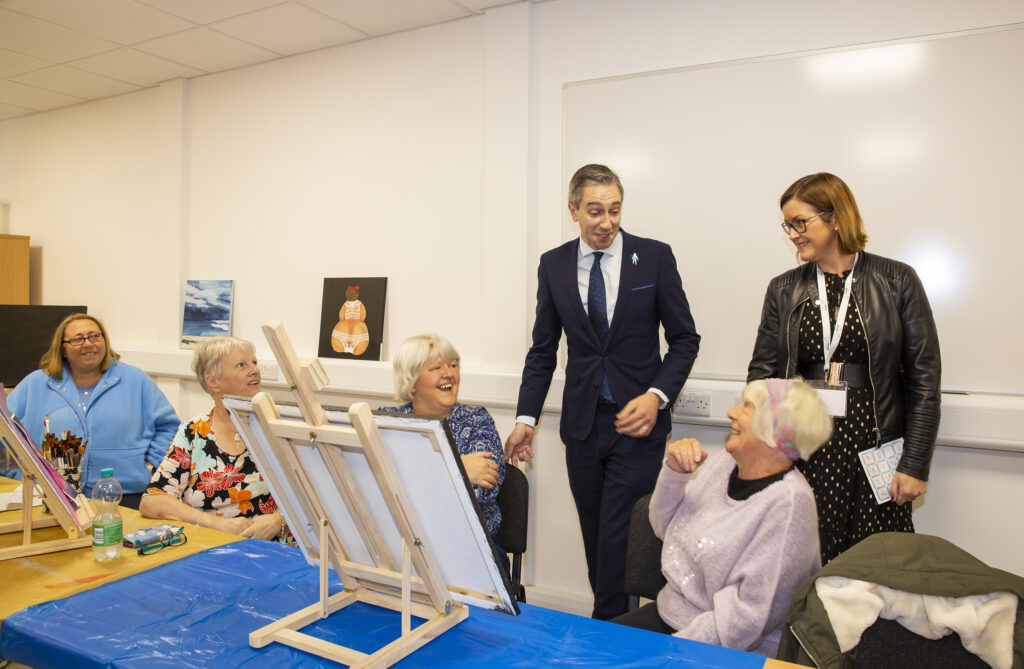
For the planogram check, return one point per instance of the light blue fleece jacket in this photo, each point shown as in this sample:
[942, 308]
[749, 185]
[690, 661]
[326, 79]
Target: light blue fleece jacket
[128, 421]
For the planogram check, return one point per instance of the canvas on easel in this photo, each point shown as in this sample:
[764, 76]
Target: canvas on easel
[70, 510]
[380, 499]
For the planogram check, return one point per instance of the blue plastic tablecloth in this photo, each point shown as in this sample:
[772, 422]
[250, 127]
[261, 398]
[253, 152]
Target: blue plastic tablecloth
[199, 611]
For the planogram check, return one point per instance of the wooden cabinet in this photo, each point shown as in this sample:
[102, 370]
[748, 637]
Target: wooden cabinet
[14, 269]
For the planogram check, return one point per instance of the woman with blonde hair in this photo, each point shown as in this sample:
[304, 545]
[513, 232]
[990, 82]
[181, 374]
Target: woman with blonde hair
[208, 477]
[742, 535]
[83, 389]
[426, 372]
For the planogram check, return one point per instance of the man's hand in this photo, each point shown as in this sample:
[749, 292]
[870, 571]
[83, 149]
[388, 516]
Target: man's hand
[481, 469]
[684, 456]
[638, 417]
[905, 488]
[518, 445]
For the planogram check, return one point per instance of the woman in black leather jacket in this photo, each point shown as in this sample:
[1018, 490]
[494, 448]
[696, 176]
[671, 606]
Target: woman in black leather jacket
[888, 354]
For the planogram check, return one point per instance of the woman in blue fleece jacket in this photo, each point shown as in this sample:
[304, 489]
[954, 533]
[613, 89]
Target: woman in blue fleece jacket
[116, 410]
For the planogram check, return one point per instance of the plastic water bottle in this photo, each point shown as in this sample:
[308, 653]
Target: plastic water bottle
[106, 526]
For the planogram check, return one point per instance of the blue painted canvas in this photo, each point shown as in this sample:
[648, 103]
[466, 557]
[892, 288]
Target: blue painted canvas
[207, 310]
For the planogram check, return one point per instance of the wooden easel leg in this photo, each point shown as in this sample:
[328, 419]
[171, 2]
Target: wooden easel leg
[406, 608]
[324, 574]
[299, 619]
[28, 486]
[417, 638]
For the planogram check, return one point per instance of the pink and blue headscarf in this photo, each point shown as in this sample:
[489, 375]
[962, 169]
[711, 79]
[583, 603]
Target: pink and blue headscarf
[777, 391]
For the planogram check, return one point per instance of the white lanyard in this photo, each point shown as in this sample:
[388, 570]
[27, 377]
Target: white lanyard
[831, 338]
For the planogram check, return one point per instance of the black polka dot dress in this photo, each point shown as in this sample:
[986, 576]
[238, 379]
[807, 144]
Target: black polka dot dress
[847, 510]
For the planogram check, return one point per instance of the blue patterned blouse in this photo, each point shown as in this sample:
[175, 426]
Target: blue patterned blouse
[474, 431]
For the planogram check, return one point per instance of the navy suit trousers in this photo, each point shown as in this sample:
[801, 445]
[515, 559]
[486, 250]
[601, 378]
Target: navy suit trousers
[608, 473]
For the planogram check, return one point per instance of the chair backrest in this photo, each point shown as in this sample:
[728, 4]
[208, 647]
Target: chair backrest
[643, 555]
[514, 502]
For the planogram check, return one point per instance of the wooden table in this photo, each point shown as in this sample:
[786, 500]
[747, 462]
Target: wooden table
[41, 578]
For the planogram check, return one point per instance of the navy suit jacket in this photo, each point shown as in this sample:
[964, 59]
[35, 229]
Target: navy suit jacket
[650, 292]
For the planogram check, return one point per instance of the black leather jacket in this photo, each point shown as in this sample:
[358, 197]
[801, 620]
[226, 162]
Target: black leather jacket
[903, 348]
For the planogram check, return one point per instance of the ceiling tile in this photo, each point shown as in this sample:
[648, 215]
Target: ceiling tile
[30, 36]
[64, 79]
[289, 29]
[379, 18]
[12, 63]
[121, 21]
[135, 66]
[20, 95]
[208, 11]
[10, 111]
[207, 50]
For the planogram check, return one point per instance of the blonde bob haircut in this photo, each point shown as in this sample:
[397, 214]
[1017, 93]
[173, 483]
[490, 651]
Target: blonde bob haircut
[412, 355]
[52, 362]
[800, 418]
[832, 197]
[208, 359]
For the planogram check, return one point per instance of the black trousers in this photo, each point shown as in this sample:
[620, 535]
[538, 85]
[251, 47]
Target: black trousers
[608, 473]
[646, 618]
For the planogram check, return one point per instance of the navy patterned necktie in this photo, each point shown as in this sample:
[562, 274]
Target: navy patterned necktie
[597, 303]
[597, 310]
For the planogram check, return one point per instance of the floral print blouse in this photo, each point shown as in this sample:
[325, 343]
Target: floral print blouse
[200, 474]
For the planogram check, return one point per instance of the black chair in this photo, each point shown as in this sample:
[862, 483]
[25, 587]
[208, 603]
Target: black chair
[514, 502]
[643, 556]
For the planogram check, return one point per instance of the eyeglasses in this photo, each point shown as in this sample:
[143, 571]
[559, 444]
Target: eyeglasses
[800, 224]
[94, 337]
[176, 540]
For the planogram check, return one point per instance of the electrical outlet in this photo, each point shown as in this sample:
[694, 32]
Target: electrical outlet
[694, 403]
[268, 369]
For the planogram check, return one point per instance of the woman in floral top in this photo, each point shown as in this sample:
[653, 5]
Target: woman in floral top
[426, 371]
[207, 477]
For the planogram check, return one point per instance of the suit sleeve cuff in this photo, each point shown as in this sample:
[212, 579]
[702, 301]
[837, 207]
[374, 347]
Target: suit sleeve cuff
[664, 400]
[527, 420]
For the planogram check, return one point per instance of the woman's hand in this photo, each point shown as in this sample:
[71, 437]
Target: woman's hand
[684, 456]
[237, 525]
[481, 469]
[905, 488]
[264, 527]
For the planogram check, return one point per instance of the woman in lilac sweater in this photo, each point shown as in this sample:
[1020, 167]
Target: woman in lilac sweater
[742, 535]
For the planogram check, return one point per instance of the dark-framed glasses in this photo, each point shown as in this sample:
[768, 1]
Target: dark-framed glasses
[93, 337]
[176, 540]
[800, 224]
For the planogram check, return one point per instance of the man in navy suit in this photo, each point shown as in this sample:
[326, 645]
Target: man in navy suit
[608, 291]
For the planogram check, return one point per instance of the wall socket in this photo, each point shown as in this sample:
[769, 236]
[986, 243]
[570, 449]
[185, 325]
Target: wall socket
[268, 370]
[695, 403]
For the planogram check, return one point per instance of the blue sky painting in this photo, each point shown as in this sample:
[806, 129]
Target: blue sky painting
[207, 310]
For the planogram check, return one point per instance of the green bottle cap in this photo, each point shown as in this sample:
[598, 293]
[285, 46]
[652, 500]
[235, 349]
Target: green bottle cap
[107, 473]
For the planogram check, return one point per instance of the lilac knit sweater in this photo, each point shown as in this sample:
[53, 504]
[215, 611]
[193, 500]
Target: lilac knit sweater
[732, 566]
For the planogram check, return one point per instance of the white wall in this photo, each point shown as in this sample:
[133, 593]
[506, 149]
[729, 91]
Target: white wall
[433, 157]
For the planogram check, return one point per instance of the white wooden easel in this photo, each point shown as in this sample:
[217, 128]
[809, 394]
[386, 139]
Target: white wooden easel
[76, 527]
[383, 583]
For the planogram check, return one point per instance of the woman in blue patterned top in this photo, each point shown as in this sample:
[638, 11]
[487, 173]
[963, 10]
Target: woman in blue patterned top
[426, 371]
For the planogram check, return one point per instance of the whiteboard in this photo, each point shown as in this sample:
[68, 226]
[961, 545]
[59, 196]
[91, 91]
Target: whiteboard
[927, 133]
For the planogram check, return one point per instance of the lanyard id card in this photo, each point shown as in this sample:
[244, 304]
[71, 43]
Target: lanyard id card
[832, 391]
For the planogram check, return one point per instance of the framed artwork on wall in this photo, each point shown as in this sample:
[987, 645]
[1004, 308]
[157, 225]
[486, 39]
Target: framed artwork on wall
[352, 318]
[207, 310]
